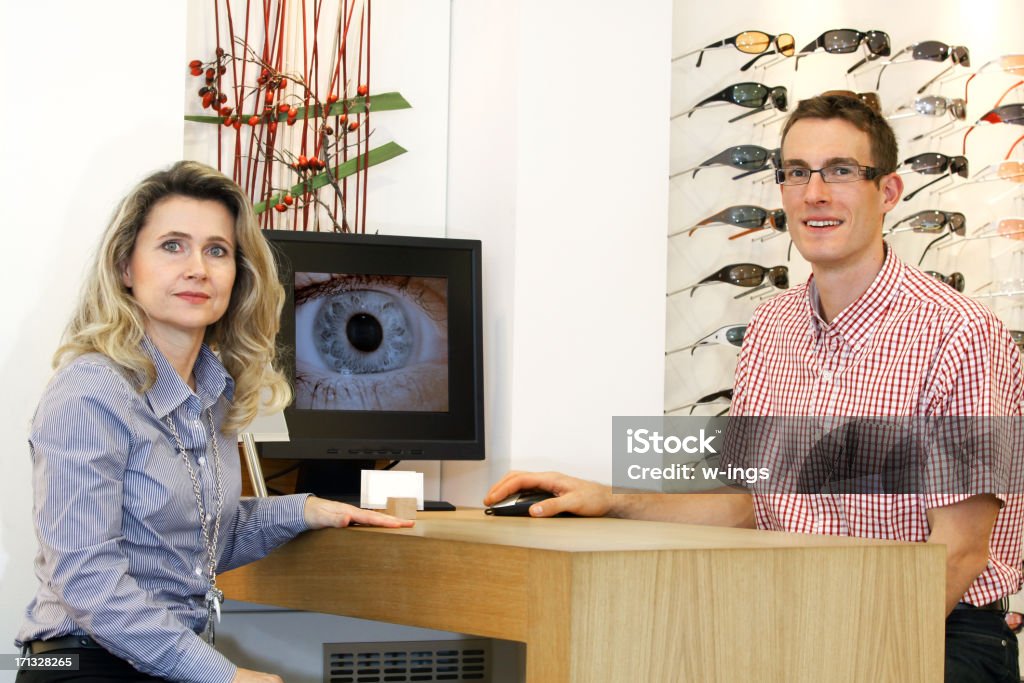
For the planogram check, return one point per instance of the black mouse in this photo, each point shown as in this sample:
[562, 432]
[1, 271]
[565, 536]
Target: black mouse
[518, 504]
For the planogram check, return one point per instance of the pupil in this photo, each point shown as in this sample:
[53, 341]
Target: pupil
[364, 332]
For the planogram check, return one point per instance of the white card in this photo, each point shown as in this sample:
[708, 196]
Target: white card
[379, 485]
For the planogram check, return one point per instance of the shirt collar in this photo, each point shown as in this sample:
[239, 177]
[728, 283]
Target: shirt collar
[169, 391]
[857, 322]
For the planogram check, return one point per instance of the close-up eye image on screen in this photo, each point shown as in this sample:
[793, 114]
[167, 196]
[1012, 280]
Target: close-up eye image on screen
[371, 342]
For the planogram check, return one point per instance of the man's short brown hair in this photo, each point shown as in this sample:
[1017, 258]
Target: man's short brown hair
[850, 108]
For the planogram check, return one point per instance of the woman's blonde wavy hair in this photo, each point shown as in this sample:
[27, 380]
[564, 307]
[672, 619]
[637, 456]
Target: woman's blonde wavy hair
[109, 321]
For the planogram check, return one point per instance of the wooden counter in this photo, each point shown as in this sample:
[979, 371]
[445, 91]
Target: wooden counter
[616, 600]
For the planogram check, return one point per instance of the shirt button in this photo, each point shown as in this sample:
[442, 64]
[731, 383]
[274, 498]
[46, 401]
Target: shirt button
[199, 571]
[197, 423]
[208, 516]
[201, 461]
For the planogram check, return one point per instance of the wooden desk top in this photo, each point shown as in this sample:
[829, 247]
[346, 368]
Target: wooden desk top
[584, 534]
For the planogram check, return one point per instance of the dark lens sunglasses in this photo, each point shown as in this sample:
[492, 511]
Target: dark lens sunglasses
[847, 40]
[748, 158]
[743, 275]
[933, 163]
[928, 50]
[754, 96]
[932, 221]
[744, 216]
[751, 43]
[954, 280]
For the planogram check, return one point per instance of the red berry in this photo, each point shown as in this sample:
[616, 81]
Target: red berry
[227, 121]
[302, 162]
[362, 90]
[237, 125]
[195, 64]
[343, 119]
[283, 83]
[290, 121]
[222, 98]
[220, 52]
[288, 199]
[280, 208]
[328, 130]
[269, 99]
[272, 126]
[293, 112]
[210, 73]
[197, 71]
[253, 120]
[332, 98]
[283, 107]
[207, 100]
[221, 70]
[353, 125]
[225, 111]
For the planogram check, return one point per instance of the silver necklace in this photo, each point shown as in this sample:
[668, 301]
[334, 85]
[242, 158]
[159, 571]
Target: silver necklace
[214, 595]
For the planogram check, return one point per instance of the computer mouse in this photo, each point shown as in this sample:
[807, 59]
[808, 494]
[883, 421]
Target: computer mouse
[518, 504]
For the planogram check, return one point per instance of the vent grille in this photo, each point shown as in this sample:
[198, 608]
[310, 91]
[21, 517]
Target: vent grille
[420, 661]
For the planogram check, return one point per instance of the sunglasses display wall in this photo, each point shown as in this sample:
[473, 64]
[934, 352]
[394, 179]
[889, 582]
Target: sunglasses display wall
[729, 127]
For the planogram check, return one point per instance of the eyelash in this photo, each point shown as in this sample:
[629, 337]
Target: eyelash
[166, 246]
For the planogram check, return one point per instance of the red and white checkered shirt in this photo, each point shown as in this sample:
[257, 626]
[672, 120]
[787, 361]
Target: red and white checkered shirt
[910, 346]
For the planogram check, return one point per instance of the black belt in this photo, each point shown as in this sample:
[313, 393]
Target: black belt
[1001, 605]
[38, 647]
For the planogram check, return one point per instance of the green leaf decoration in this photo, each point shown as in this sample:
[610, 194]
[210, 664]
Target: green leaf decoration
[385, 101]
[377, 155]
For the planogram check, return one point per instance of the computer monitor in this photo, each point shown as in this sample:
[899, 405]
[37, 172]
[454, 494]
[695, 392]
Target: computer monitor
[382, 340]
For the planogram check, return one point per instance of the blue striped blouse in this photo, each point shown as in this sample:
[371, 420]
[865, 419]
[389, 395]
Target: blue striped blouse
[121, 557]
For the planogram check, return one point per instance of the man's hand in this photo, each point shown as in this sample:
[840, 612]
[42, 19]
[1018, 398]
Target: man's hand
[320, 513]
[585, 498]
[247, 676]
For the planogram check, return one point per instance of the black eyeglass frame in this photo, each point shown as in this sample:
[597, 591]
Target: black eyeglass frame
[863, 173]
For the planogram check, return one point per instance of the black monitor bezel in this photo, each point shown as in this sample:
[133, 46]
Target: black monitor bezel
[401, 435]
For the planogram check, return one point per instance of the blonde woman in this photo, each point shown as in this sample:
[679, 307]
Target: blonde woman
[135, 463]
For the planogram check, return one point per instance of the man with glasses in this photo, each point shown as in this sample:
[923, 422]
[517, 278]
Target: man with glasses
[866, 336]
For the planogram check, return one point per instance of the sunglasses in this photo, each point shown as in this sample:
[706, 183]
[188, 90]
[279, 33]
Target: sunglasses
[730, 335]
[743, 216]
[743, 275]
[751, 43]
[932, 163]
[1007, 227]
[928, 50]
[933, 105]
[748, 158]
[716, 397]
[1005, 113]
[754, 96]
[1011, 64]
[846, 40]
[1018, 339]
[954, 280]
[932, 221]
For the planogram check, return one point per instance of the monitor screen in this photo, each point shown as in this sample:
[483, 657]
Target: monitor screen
[381, 338]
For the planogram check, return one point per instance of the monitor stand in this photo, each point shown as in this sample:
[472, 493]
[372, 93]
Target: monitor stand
[341, 480]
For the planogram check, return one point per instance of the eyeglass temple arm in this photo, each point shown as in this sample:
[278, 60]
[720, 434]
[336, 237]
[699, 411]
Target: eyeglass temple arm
[751, 63]
[932, 132]
[748, 292]
[744, 115]
[934, 241]
[893, 229]
[928, 184]
[720, 43]
[935, 78]
[746, 173]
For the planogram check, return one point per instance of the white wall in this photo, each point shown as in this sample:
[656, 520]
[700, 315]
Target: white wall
[567, 193]
[91, 103]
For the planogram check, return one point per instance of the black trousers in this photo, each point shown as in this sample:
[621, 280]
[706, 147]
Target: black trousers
[95, 665]
[980, 648]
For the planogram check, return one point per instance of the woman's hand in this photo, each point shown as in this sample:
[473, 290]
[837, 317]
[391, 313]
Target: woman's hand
[247, 676]
[320, 513]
